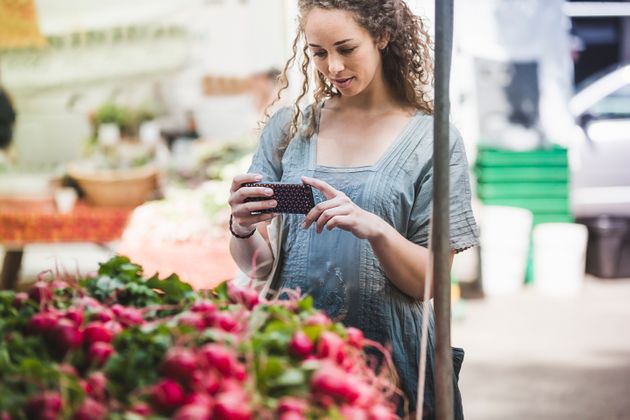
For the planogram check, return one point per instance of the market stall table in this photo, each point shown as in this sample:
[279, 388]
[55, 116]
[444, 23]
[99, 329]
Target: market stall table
[23, 223]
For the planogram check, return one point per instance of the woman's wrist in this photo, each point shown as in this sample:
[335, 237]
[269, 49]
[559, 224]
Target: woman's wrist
[379, 230]
[238, 231]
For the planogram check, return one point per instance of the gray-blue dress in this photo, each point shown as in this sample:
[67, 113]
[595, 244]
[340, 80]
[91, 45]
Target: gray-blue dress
[340, 271]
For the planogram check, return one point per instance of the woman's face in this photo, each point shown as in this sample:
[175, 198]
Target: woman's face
[342, 50]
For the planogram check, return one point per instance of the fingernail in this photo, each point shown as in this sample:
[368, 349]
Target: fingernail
[258, 177]
[304, 225]
[269, 191]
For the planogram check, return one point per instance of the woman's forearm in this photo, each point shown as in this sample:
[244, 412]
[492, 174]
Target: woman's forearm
[244, 250]
[403, 262]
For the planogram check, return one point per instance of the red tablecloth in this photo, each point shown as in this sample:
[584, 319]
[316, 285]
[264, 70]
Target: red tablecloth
[25, 223]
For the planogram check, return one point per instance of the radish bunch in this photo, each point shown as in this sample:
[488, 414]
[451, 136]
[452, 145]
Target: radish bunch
[116, 343]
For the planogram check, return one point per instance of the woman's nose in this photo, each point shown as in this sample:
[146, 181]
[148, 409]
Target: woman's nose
[335, 65]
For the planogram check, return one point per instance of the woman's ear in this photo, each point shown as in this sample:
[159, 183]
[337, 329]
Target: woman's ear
[383, 41]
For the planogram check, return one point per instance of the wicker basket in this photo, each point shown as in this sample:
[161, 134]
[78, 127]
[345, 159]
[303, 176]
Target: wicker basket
[116, 188]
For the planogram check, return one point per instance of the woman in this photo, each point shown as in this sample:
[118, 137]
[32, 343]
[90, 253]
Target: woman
[365, 146]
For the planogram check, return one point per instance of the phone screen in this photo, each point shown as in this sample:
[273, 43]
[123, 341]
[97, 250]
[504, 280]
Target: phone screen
[291, 198]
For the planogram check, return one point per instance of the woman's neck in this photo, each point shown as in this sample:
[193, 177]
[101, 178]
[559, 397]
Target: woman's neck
[377, 98]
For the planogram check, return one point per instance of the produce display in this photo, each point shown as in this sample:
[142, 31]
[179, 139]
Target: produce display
[118, 345]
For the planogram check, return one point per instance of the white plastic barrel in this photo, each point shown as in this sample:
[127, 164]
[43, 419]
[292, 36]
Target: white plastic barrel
[559, 258]
[505, 237]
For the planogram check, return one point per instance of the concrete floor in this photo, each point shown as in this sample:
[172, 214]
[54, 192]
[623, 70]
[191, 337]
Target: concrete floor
[535, 357]
[527, 356]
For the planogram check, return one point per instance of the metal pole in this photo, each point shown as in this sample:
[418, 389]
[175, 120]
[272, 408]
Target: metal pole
[440, 226]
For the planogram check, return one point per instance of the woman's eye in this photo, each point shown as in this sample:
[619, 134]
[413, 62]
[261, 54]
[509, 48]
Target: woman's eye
[319, 53]
[346, 50]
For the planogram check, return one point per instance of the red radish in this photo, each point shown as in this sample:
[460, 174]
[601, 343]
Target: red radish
[141, 408]
[204, 306]
[179, 363]
[68, 369]
[192, 319]
[19, 299]
[291, 415]
[167, 395]
[354, 413]
[331, 346]
[46, 405]
[58, 284]
[327, 380]
[117, 309]
[381, 412]
[247, 297]
[198, 399]
[331, 380]
[318, 318]
[103, 315]
[90, 410]
[358, 392]
[40, 292]
[97, 385]
[239, 372]
[96, 331]
[205, 382]
[232, 405]
[87, 302]
[114, 327]
[300, 345]
[234, 292]
[292, 404]
[250, 298]
[193, 412]
[99, 353]
[225, 321]
[65, 336]
[231, 384]
[43, 322]
[218, 357]
[87, 389]
[74, 315]
[129, 316]
[355, 337]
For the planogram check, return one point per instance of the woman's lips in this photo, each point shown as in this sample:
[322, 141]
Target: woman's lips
[342, 83]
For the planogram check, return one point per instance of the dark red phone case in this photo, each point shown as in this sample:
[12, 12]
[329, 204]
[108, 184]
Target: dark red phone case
[291, 198]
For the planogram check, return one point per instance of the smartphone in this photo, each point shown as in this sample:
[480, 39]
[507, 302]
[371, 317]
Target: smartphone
[291, 198]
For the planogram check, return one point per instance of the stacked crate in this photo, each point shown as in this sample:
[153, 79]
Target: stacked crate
[536, 180]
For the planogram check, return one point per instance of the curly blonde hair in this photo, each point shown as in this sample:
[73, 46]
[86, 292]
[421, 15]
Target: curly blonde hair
[407, 58]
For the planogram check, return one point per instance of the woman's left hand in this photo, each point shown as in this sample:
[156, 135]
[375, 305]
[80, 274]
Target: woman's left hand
[338, 211]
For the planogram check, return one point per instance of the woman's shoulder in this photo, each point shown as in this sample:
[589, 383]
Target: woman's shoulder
[426, 120]
[280, 117]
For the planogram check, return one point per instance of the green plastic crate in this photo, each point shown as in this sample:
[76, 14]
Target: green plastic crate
[523, 190]
[554, 156]
[522, 174]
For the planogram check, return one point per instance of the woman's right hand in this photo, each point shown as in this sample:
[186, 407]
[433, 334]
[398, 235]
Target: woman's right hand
[243, 221]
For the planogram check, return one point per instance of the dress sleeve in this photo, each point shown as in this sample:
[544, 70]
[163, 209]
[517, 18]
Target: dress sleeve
[463, 228]
[266, 160]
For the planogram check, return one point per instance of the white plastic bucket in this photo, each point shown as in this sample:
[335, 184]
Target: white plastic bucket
[559, 258]
[505, 236]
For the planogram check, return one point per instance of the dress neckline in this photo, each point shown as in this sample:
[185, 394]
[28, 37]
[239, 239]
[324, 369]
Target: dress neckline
[389, 151]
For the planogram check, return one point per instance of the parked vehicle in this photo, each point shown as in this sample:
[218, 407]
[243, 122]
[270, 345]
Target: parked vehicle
[600, 170]
[600, 159]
